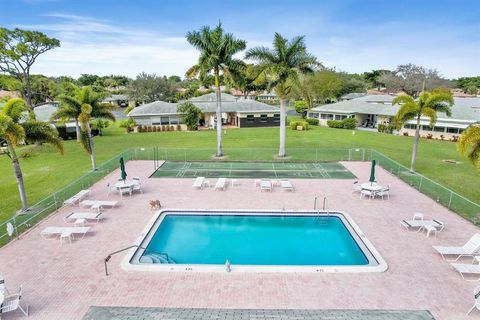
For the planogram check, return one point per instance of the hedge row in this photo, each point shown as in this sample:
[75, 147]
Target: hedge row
[299, 123]
[143, 128]
[348, 123]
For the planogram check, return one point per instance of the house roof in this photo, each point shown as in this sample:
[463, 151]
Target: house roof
[467, 109]
[353, 95]
[44, 111]
[206, 104]
[10, 94]
[116, 97]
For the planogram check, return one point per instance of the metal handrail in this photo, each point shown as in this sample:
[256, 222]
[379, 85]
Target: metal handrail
[107, 258]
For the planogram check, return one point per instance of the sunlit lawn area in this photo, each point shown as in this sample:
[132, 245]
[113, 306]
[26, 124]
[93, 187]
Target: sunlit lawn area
[46, 171]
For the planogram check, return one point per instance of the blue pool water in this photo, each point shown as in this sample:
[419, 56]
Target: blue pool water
[256, 240]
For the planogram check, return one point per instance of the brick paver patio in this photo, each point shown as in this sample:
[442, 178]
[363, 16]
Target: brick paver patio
[62, 282]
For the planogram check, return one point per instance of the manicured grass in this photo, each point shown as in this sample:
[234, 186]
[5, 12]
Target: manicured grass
[46, 171]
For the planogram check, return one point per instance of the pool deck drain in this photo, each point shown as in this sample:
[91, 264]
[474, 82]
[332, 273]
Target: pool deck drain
[128, 313]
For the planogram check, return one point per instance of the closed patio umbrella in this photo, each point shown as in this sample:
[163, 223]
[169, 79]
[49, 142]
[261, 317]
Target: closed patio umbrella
[372, 172]
[123, 173]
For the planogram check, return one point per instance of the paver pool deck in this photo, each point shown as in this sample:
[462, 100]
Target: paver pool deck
[62, 282]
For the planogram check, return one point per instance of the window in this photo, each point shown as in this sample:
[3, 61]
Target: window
[174, 120]
[263, 118]
[313, 115]
[461, 131]
[164, 120]
[340, 117]
[250, 118]
[155, 120]
[327, 116]
[439, 129]
[426, 128]
[452, 130]
[276, 118]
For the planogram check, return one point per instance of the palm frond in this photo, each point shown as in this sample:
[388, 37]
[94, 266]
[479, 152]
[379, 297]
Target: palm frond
[10, 131]
[431, 114]
[44, 132]
[403, 99]
[14, 108]
[407, 111]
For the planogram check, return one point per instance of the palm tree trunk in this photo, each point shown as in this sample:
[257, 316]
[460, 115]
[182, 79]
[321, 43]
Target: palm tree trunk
[283, 116]
[92, 149]
[77, 130]
[18, 176]
[415, 145]
[218, 99]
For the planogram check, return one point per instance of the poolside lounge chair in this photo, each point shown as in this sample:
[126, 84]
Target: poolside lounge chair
[469, 249]
[419, 224]
[74, 216]
[97, 205]
[265, 185]
[77, 198]
[64, 233]
[198, 183]
[221, 184]
[467, 269]
[12, 302]
[356, 187]
[286, 185]
[476, 297]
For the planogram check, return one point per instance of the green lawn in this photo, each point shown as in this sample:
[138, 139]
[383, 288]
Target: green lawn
[46, 171]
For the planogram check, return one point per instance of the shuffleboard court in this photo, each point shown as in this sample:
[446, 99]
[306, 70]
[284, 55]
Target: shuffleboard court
[269, 170]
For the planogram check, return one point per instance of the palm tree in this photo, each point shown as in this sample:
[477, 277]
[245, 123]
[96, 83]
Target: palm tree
[69, 108]
[216, 56]
[469, 144]
[427, 105]
[282, 65]
[89, 104]
[14, 130]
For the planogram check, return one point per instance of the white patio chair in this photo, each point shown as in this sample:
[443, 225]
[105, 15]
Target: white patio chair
[418, 216]
[12, 303]
[384, 192]
[476, 297]
[137, 185]
[356, 187]
[367, 193]
[110, 188]
[469, 249]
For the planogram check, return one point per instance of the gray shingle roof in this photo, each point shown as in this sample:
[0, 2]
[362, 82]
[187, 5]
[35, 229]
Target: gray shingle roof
[353, 95]
[116, 97]
[463, 109]
[206, 104]
[45, 111]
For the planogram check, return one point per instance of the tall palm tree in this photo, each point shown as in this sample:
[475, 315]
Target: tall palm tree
[282, 65]
[14, 130]
[427, 105]
[90, 106]
[216, 56]
[69, 108]
[469, 144]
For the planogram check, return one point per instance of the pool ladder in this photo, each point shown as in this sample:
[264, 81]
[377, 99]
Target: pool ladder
[325, 212]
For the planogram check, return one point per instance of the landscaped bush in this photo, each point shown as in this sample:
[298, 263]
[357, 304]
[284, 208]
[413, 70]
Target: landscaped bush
[299, 123]
[312, 121]
[386, 128]
[335, 124]
[348, 123]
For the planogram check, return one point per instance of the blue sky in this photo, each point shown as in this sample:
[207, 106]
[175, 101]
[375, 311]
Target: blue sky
[128, 37]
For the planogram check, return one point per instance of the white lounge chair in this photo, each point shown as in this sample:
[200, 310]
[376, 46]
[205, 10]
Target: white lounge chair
[356, 187]
[467, 269]
[420, 224]
[198, 183]
[476, 297]
[58, 231]
[265, 185]
[137, 185]
[97, 204]
[286, 185]
[221, 184]
[12, 302]
[74, 216]
[469, 249]
[77, 198]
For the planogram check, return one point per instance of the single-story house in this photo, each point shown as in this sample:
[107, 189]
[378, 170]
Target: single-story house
[268, 97]
[372, 110]
[353, 95]
[240, 113]
[120, 100]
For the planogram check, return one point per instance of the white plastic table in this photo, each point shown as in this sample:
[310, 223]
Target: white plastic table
[371, 186]
[127, 184]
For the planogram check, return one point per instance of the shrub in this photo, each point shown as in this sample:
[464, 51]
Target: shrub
[301, 107]
[405, 134]
[128, 124]
[386, 128]
[149, 128]
[190, 114]
[429, 136]
[349, 123]
[454, 138]
[335, 124]
[298, 123]
[312, 121]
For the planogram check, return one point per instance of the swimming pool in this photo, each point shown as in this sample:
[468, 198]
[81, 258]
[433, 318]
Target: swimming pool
[203, 240]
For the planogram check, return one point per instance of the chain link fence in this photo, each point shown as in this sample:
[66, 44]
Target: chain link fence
[53, 202]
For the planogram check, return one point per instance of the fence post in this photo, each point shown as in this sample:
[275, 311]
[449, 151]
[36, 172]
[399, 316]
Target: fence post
[420, 185]
[450, 200]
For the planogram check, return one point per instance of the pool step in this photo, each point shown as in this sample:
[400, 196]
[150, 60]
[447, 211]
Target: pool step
[157, 257]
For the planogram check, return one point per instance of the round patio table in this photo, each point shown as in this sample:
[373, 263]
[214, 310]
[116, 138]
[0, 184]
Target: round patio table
[371, 186]
[127, 184]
